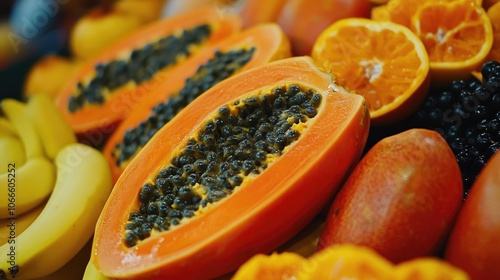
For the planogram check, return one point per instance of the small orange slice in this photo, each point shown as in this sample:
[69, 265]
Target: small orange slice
[457, 36]
[494, 15]
[383, 61]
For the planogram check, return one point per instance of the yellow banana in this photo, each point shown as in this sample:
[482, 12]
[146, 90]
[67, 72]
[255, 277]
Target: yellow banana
[75, 268]
[6, 128]
[12, 227]
[53, 129]
[16, 112]
[68, 220]
[22, 188]
[91, 273]
[12, 152]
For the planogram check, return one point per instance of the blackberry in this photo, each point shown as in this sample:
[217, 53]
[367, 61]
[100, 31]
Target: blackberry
[466, 113]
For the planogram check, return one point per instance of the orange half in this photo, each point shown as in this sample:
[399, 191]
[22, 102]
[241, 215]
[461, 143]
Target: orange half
[457, 36]
[401, 11]
[494, 15]
[383, 61]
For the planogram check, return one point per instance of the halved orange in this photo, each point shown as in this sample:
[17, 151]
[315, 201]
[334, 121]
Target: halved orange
[494, 15]
[383, 61]
[457, 36]
[401, 11]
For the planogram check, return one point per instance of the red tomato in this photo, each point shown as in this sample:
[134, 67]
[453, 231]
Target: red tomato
[474, 244]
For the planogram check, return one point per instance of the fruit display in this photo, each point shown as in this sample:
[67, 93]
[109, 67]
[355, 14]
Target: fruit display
[52, 194]
[255, 46]
[345, 261]
[416, 174]
[250, 139]
[107, 87]
[229, 169]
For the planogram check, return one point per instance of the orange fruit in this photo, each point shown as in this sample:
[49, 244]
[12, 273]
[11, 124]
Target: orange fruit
[401, 11]
[383, 61]
[489, 3]
[457, 36]
[494, 15]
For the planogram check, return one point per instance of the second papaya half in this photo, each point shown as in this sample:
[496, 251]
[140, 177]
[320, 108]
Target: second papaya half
[108, 86]
[244, 50]
[238, 171]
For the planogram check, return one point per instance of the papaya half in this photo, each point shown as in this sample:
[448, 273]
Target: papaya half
[239, 171]
[241, 51]
[107, 87]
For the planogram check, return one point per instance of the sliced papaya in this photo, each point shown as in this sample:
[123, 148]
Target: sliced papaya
[244, 50]
[107, 87]
[237, 172]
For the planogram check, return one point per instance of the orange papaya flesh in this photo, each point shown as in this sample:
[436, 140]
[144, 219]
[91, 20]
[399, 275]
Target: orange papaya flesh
[108, 86]
[240, 217]
[244, 50]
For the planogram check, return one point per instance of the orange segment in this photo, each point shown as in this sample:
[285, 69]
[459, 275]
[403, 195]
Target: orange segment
[383, 61]
[494, 15]
[401, 11]
[457, 36]
[428, 269]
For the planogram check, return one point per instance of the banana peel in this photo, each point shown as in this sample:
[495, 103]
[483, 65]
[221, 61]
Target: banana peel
[25, 187]
[68, 219]
[15, 111]
[54, 131]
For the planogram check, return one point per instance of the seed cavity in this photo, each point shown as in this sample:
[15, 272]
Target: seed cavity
[141, 65]
[221, 66]
[233, 146]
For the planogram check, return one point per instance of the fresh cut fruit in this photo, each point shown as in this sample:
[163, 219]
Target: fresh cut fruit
[368, 57]
[345, 261]
[244, 50]
[107, 88]
[214, 186]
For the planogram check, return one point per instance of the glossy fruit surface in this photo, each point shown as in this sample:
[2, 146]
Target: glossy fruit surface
[368, 56]
[127, 57]
[301, 20]
[401, 199]
[474, 244]
[494, 15]
[255, 218]
[188, 81]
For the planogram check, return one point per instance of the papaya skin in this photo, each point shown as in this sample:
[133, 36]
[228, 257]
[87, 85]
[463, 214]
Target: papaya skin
[103, 119]
[255, 219]
[270, 43]
[401, 199]
[474, 245]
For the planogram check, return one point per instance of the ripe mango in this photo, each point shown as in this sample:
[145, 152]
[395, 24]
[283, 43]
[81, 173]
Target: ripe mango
[401, 199]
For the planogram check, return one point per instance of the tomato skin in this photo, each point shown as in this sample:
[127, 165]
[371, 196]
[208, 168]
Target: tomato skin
[304, 20]
[474, 244]
[401, 199]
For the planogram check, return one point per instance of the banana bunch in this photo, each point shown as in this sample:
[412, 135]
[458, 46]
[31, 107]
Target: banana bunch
[52, 190]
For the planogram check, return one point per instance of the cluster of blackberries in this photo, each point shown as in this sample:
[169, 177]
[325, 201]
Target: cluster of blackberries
[467, 115]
